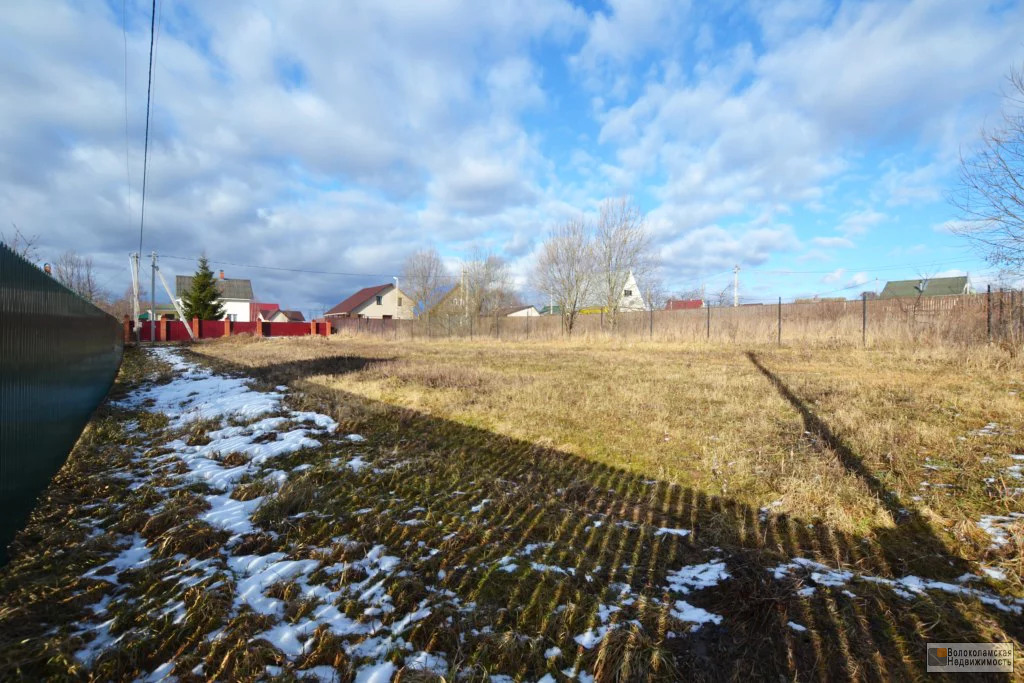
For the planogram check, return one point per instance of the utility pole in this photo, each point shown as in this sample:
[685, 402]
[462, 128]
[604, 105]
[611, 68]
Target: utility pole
[135, 289]
[736, 286]
[152, 301]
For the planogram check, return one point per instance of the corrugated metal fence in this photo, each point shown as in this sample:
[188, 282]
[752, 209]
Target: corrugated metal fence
[58, 358]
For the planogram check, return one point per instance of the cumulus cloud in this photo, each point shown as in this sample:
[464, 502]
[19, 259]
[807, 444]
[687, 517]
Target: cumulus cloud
[340, 138]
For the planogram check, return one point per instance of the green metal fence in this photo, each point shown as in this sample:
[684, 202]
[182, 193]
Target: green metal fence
[58, 358]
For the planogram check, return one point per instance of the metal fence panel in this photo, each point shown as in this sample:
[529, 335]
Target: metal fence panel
[58, 358]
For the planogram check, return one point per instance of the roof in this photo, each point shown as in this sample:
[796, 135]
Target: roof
[294, 316]
[936, 286]
[551, 310]
[229, 288]
[683, 304]
[509, 310]
[357, 299]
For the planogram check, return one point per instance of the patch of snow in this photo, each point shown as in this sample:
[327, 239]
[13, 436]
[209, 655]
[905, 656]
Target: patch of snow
[379, 672]
[697, 576]
[796, 627]
[673, 532]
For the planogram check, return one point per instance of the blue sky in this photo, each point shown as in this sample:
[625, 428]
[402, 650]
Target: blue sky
[812, 143]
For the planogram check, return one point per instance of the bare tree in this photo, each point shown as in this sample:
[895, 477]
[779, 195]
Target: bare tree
[621, 247]
[991, 193]
[424, 278]
[76, 273]
[565, 269]
[25, 246]
[488, 284]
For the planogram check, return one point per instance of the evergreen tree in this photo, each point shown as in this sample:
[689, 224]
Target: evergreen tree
[203, 299]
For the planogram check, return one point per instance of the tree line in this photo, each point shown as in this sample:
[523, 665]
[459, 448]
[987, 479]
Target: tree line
[581, 264]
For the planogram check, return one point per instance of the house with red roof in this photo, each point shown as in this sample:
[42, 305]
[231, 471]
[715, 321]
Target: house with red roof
[377, 302]
[683, 304]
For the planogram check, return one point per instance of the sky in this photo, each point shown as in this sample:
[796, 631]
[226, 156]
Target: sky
[814, 144]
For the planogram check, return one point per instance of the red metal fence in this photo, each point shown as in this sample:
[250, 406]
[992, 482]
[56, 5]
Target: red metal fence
[176, 331]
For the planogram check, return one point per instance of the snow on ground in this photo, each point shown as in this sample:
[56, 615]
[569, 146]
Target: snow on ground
[257, 430]
[907, 587]
[257, 427]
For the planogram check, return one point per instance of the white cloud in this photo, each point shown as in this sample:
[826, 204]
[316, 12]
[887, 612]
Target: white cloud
[832, 242]
[859, 222]
[834, 276]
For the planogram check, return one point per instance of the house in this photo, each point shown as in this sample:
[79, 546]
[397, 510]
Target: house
[163, 312]
[683, 304]
[629, 300]
[263, 312]
[272, 313]
[517, 312]
[379, 301]
[235, 296]
[936, 286]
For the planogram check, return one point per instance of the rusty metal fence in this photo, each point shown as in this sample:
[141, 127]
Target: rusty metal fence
[58, 358]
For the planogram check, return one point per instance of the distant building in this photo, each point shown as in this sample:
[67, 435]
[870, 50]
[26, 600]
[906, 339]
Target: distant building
[683, 304]
[936, 286]
[235, 296]
[551, 310]
[517, 312]
[377, 302]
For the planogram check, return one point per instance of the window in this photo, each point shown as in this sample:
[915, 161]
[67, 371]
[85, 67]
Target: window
[399, 302]
[628, 292]
[380, 300]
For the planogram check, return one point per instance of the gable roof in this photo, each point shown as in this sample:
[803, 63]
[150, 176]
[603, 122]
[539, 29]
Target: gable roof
[683, 304]
[936, 286]
[509, 310]
[229, 288]
[357, 299]
[294, 316]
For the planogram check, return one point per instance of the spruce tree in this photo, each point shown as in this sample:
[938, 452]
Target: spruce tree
[203, 300]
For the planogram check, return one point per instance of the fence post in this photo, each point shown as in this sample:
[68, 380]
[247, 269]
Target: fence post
[527, 326]
[195, 326]
[652, 317]
[470, 328]
[497, 330]
[1000, 325]
[126, 329]
[988, 312]
[227, 327]
[780, 322]
[864, 319]
[709, 321]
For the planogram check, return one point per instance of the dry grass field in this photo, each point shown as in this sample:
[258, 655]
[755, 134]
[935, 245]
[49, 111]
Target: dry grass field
[548, 511]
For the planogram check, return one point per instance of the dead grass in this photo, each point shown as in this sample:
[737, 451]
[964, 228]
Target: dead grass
[479, 451]
[704, 417]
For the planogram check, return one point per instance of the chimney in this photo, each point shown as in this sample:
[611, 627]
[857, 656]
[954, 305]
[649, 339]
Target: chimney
[222, 275]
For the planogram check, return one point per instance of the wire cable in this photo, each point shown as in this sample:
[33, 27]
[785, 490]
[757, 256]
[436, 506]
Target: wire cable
[127, 145]
[145, 149]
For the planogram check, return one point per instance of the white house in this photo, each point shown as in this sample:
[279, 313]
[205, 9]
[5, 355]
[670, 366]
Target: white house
[377, 302]
[630, 298]
[235, 296]
[518, 312]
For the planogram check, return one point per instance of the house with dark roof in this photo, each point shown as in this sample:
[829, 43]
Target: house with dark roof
[377, 302]
[235, 296]
[517, 312]
[936, 286]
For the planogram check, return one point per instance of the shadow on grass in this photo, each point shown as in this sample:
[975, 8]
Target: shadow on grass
[911, 547]
[489, 496]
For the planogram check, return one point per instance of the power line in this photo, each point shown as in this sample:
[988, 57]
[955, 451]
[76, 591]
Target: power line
[145, 149]
[127, 145]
